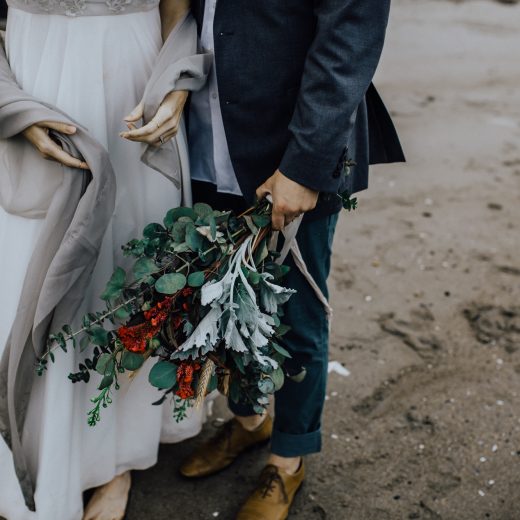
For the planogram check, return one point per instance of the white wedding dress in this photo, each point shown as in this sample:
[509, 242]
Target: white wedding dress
[94, 68]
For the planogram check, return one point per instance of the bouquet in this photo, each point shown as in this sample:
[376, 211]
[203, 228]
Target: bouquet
[204, 297]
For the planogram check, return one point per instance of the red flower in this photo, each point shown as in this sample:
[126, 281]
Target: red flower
[176, 321]
[185, 373]
[135, 338]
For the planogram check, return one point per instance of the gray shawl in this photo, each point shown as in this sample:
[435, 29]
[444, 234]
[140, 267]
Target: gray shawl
[77, 206]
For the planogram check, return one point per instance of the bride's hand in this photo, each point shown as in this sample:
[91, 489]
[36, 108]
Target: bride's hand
[38, 136]
[163, 126]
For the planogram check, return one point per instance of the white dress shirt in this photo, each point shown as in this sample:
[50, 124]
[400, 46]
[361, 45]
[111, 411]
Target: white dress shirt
[209, 153]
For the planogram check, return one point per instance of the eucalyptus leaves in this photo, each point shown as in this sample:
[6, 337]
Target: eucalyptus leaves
[204, 297]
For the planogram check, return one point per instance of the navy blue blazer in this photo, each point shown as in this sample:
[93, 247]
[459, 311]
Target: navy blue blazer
[296, 93]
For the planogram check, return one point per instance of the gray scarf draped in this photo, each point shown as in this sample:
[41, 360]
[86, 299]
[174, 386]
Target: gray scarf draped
[76, 207]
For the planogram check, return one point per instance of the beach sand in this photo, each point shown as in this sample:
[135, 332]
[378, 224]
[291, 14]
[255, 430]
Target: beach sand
[425, 287]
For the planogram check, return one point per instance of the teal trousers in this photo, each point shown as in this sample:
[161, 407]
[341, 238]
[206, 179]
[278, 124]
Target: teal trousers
[298, 405]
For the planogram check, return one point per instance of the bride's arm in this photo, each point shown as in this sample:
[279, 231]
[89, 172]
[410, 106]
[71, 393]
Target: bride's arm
[171, 12]
[165, 124]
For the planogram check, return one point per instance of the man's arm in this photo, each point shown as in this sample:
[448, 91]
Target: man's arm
[339, 68]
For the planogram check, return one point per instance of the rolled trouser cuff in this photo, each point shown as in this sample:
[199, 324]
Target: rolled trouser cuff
[295, 445]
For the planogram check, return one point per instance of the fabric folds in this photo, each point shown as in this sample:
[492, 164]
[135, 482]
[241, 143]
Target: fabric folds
[76, 207]
[178, 67]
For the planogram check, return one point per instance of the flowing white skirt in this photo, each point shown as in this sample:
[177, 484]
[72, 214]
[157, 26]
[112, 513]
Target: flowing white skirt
[95, 69]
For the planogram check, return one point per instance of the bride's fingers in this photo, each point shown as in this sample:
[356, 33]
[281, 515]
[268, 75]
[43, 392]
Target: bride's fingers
[136, 114]
[167, 136]
[170, 127]
[59, 127]
[147, 131]
[54, 152]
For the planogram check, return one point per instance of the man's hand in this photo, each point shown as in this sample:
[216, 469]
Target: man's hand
[164, 125]
[290, 199]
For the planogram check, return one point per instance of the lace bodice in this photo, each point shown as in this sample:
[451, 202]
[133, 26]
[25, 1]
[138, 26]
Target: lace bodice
[83, 7]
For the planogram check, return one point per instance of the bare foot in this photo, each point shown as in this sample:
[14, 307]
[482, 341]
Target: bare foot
[109, 501]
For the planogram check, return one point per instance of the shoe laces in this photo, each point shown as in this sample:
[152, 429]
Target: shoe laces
[270, 478]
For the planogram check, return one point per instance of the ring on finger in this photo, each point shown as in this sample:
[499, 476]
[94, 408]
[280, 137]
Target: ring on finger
[161, 138]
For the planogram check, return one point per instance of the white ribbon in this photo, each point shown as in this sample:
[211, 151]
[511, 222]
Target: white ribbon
[291, 245]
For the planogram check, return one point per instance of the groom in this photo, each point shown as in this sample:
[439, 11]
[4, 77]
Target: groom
[288, 104]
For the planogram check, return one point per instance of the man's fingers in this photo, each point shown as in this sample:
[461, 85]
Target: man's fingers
[59, 127]
[263, 191]
[278, 220]
[136, 114]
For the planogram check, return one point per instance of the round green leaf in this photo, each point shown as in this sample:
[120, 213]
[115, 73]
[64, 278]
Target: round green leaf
[115, 285]
[194, 239]
[144, 267]
[152, 230]
[131, 360]
[196, 279]
[122, 314]
[175, 214]
[254, 277]
[106, 382]
[98, 336]
[179, 231]
[163, 375]
[170, 283]
[105, 364]
[202, 210]
[261, 221]
[266, 385]
[278, 378]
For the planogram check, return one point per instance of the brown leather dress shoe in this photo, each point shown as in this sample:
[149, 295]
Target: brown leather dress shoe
[274, 495]
[223, 449]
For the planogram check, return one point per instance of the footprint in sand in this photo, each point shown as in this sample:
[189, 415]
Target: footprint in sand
[495, 325]
[415, 333]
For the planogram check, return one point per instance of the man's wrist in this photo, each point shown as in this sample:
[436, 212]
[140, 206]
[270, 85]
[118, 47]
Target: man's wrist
[311, 170]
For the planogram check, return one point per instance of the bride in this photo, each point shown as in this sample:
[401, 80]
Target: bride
[92, 60]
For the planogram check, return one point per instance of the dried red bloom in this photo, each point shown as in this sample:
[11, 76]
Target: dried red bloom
[185, 373]
[135, 338]
[187, 291]
[176, 321]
